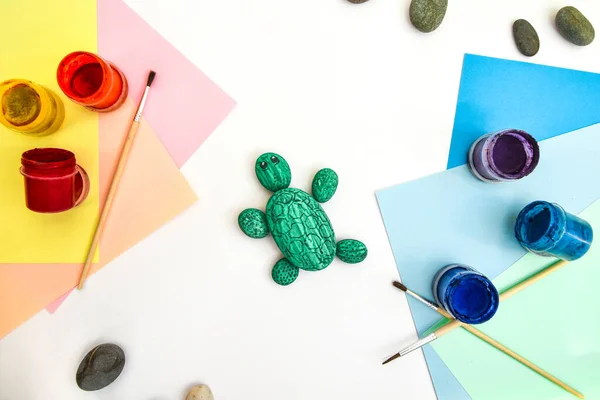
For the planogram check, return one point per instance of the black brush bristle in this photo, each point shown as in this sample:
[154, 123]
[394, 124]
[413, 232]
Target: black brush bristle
[400, 286]
[392, 358]
[151, 78]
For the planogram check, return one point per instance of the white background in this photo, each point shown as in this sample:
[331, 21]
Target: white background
[325, 83]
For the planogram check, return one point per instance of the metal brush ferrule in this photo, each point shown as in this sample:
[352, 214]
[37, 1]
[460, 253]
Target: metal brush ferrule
[418, 344]
[140, 110]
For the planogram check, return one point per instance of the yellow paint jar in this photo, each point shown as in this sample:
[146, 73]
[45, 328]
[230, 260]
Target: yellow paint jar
[30, 108]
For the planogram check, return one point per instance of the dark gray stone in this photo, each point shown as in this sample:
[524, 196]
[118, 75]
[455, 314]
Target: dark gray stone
[100, 367]
[526, 38]
[427, 15]
[574, 26]
[358, 1]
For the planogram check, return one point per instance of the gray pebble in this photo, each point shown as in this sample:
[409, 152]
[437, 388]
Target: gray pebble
[358, 1]
[574, 26]
[100, 367]
[526, 38]
[427, 15]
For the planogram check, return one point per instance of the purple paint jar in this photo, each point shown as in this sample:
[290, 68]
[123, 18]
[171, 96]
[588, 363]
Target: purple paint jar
[504, 156]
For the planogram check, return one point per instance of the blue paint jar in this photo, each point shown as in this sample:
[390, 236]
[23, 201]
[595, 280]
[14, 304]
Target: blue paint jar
[465, 294]
[546, 229]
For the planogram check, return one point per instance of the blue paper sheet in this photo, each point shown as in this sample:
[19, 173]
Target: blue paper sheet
[453, 217]
[544, 101]
[495, 94]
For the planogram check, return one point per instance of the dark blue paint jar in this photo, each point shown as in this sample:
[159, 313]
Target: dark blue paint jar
[546, 229]
[466, 294]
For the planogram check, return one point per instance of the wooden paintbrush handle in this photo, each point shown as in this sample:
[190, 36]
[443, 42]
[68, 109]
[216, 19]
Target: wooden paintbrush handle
[509, 292]
[449, 327]
[112, 191]
[522, 360]
[510, 353]
[505, 295]
[532, 279]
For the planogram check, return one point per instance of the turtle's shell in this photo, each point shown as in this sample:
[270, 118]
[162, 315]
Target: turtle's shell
[301, 229]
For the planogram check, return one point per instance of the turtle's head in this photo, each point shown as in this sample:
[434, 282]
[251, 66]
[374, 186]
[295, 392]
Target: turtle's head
[273, 172]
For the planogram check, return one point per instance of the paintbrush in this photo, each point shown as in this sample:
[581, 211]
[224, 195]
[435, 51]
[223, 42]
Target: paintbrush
[491, 341]
[456, 323]
[112, 191]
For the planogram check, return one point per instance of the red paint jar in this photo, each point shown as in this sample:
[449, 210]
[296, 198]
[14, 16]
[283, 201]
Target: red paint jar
[53, 180]
[91, 81]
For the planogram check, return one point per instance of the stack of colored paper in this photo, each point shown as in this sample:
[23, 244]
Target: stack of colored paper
[37, 271]
[471, 222]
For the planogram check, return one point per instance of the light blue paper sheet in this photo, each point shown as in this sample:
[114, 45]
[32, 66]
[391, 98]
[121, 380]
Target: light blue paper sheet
[446, 386]
[453, 217]
[544, 101]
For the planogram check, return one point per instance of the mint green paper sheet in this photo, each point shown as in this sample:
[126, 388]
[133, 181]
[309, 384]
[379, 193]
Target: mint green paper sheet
[555, 323]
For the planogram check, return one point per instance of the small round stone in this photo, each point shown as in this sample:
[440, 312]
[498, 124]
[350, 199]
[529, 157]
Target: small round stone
[358, 1]
[574, 26]
[526, 38]
[427, 15]
[100, 367]
[200, 392]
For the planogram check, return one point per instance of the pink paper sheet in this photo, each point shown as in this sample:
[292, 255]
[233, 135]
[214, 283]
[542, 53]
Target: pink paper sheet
[52, 307]
[201, 105]
[187, 106]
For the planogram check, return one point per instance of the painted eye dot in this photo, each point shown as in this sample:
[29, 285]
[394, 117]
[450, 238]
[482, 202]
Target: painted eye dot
[275, 160]
[263, 165]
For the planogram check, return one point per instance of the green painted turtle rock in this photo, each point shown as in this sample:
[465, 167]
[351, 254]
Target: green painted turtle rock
[299, 225]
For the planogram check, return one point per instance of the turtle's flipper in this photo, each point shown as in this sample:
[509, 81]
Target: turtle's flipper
[253, 223]
[351, 251]
[324, 185]
[284, 272]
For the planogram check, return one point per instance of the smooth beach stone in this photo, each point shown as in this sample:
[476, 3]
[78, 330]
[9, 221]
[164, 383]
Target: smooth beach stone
[100, 367]
[200, 392]
[358, 1]
[526, 38]
[427, 15]
[574, 26]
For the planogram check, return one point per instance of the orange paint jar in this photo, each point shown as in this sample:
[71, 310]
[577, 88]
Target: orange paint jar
[29, 108]
[91, 81]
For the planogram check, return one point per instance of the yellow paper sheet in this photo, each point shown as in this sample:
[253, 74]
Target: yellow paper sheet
[36, 35]
[152, 192]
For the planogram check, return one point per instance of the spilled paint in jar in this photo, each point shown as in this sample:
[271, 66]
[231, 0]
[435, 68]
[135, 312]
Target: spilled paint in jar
[504, 156]
[548, 230]
[466, 294]
[30, 108]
